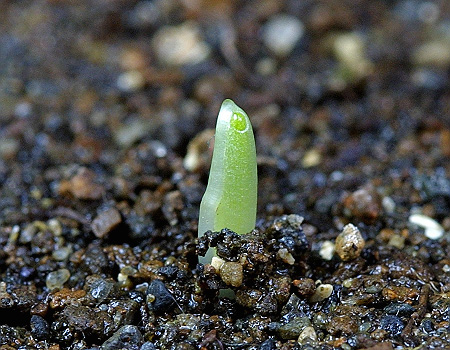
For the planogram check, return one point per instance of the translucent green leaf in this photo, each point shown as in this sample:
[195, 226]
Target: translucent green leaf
[230, 197]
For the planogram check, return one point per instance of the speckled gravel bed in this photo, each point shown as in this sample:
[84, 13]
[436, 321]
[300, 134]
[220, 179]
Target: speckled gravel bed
[106, 110]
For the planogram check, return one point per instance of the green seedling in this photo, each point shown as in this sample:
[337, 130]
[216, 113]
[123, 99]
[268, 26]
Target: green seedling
[231, 194]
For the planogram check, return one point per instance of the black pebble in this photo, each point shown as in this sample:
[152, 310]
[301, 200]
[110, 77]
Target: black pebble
[39, 327]
[393, 324]
[427, 325]
[269, 344]
[399, 309]
[163, 299]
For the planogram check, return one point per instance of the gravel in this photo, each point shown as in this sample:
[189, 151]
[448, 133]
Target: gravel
[106, 118]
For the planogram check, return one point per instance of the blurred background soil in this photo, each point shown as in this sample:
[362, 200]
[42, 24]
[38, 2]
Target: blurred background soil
[107, 110]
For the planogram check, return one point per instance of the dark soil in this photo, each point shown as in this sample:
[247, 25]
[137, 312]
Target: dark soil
[104, 160]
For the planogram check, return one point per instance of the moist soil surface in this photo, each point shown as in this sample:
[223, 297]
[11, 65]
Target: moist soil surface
[106, 117]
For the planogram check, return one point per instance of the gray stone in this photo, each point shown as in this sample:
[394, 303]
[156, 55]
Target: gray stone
[127, 337]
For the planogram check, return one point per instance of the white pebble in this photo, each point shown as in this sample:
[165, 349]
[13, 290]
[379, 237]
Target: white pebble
[23, 109]
[129, 133]
[349, 243]
[281, 34]
[180, 45]
[349, 49]
[286, 256]
[322, 292]
[433, 53]
[266, 66]
[388, 204]
[56, 279]
[433, 229]
[308, 334]
[327, 250]
[217, 263]
[130, 81]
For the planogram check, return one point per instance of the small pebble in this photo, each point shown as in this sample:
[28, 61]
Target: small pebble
[388, 204]
[83, 185]
[14, 234]
[327, 250]
[322, 292]
[433, 53]
[343, 324]
[133, 58]
[393, 324]
[61, 298]
[172, 204]
[8, 148]
[433, 230]
[308, 335]
[6, 301]
[148, 346]
[399, 309]
[180, 45]
[122, 278]
[199, 151]
[232, 273]
[305, 286]
[364, 203]
[55, 227]
[349, 243]
[130, 81]
[286, 256]
[145, 13]
[266, 66]
[127, 337]
[105, 222]
[281, 33]
[268, 344]
[129, 133]
[56, 279]
[159, 298]
[294, 328]
[62, 253]
[349, 49]
[27, 233]
[397, 241]
[100, 289]
[40, 328]
[311, 158]
[217, 262]
[23, 109]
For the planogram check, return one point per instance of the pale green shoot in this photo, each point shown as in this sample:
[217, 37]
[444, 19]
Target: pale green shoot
[231, 194]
